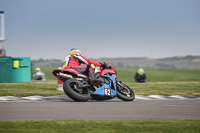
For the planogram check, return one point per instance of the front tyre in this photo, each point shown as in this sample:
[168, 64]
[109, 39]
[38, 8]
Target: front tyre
[124, 92]
[72, 89]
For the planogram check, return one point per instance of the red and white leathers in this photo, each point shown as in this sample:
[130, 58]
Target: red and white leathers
[81, 64]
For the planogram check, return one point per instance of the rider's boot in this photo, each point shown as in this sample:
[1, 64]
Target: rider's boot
[91, 73]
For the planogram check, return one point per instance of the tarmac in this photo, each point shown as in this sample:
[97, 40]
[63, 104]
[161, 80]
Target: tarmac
[66, 98]
[63, 108]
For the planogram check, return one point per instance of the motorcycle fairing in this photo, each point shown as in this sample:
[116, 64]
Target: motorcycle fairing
[107, 89]
[105, 71]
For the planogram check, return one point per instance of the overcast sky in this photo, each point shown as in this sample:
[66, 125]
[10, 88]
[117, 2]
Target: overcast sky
[48, 29]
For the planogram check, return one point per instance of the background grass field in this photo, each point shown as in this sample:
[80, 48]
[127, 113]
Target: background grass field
[160, 82]
[153, 75]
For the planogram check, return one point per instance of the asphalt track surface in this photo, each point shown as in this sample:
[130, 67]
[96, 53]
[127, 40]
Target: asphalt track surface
[111, 109]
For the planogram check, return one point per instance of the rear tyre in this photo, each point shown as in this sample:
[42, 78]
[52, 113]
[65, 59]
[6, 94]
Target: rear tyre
[124, 92]
[72, 89]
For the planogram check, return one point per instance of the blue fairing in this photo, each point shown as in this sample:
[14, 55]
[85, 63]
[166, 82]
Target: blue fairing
[107, 89]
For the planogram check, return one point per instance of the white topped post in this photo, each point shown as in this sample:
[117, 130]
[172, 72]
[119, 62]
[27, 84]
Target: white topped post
[2, 34]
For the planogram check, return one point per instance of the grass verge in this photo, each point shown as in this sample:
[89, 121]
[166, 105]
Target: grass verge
[29, 89]
[99, 126]
[166, 88]
[150, 88]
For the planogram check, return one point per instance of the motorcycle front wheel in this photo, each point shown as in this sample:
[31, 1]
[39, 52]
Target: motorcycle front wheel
[72, 89]
[124, 92]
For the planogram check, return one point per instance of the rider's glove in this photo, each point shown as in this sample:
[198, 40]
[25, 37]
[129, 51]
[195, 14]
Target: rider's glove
[104, 65]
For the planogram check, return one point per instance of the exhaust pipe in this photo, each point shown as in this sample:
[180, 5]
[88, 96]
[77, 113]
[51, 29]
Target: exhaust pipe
[62, 75]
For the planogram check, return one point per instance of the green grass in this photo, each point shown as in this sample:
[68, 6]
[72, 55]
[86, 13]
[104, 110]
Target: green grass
[29, 89]
[166, 88]
[161, 75]
[150, 88]
[99, 126]
[153, 75]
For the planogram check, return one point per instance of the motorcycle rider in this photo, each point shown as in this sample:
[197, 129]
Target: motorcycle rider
[39, 75]
[140, 76]
[76, 61]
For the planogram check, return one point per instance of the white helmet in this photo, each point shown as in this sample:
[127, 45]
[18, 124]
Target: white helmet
[141, 70]
[37, 69]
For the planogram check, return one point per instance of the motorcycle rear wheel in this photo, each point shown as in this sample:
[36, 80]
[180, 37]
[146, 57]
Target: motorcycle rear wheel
[124, 92]
[71, 89]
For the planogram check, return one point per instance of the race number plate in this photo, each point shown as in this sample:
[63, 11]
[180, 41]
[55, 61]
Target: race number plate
[107, 91]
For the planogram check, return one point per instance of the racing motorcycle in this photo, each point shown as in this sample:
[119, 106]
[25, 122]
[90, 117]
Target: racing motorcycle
[77, 86]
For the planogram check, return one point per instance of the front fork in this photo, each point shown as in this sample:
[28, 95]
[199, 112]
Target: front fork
[119, 84]
[122, 88]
